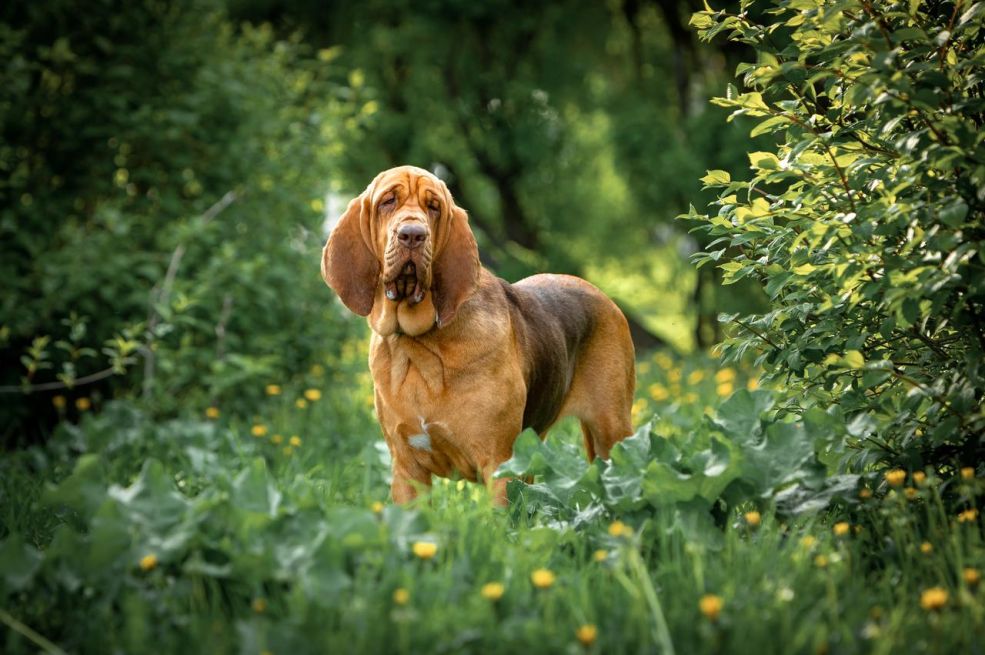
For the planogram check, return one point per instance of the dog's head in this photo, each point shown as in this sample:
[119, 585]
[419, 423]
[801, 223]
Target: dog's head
[406, 234]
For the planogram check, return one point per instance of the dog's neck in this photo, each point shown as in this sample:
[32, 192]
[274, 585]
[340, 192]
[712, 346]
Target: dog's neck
[401, 317]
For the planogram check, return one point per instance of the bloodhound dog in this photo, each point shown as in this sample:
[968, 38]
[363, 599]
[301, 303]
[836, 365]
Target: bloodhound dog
[463, 361]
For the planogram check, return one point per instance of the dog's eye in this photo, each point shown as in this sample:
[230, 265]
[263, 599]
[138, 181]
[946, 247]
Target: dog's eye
[388, 202]
[434, 207]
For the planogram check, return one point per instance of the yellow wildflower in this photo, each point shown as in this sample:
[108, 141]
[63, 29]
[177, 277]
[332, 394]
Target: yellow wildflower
[865, 493]
[586, 634]
[658, 392]
[919, 477]
[725, 388]
[895, 477]
[273, 389]
[277, 439]
[542, 578]
[83, 404]
[911, 493]
[148, 562]
[725, 375]
[753, 518]
[620, 529]
[425, 549]
[259, 430]
[841, 528]
[968, 515]
[377, 507]
[312, 394]
[401, 596]
[259, 605]
[674, 375]
[695, 377]
[317, 370]
[663, 360]
[821, 561]
[639, 406]
[711, 606]
[295, 440]
[752, 384]
[492, 590]
[971, 576]
[300, 403]
[59, 402]
[967, 473]
[807, 541]
[690, 398]
[600, 555]
[926, 548]
[933, 599]
[288, 451]
[212, 412]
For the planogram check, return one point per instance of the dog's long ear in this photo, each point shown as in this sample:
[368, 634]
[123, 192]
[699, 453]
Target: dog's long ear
[347, 263]
[456, 267]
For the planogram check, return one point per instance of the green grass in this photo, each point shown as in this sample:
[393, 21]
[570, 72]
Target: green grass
[127, 534]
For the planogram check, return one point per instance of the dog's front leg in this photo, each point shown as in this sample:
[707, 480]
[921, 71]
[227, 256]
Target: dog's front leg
[406, 484]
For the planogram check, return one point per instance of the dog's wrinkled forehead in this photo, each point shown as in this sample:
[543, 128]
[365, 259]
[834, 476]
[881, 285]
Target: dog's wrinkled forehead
[414, 180]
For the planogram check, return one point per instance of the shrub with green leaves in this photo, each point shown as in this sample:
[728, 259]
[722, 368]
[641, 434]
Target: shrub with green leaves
[865, 223]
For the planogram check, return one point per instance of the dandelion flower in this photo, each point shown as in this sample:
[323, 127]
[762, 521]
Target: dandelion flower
[542, 578]
[259, 605]
[377, 507]
[674, 375]
[620, 529]
[273, 389]
[895, 477]
[968, 516]
[425, 549]
[711, 606]
[926, 548]
[841, 528]
[933, 599]
[725, 375]
[967, 473]
[288, 451]
[59, 402]
[300, 403]
[587, 634]
[401, 596]
[919, 477]
[807, 541]
[695, 377]
[724, 389]
[658, 392]
[821, 561]
[492, 590]
[971, 576]
[911, 493]
[600, 555]
[753, 518]
[752, 384]
[259, 430]
[277, 439]
[295, 440]
[312, 394]
[212, 412]
[148, 562]
[83, 404]
[865, 493]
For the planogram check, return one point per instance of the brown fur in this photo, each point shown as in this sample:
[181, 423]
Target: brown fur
[460, 371]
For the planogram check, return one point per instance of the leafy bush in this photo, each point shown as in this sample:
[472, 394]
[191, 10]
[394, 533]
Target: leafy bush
[150, 152]
[865, 224]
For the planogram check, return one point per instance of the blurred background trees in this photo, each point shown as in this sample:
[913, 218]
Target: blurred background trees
[166, 167]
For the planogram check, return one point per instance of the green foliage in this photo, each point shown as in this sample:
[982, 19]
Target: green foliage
[864, 224]
[162, 209]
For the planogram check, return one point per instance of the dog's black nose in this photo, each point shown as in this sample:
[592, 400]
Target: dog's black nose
[411, 235]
